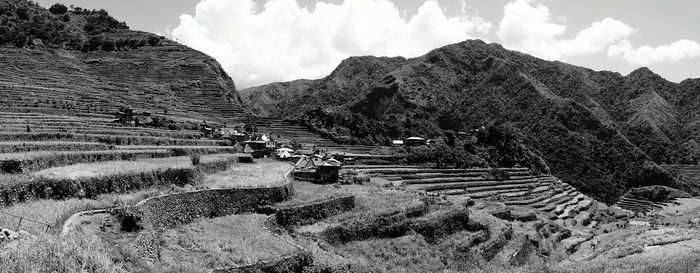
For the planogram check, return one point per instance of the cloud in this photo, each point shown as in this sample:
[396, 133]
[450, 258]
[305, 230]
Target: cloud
[529, 28]
[282, 41]
[646, 55]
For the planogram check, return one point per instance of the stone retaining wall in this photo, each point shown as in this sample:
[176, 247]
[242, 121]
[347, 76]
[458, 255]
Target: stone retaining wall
[177, 209]
[291, 263]
[305, 214]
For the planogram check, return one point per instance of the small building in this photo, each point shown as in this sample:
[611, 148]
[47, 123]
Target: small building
[229, 133]
[397, 142]
[257, 148]
[284, 153]
[317, 169]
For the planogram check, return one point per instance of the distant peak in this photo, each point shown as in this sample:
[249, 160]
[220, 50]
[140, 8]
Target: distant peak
[642, 71]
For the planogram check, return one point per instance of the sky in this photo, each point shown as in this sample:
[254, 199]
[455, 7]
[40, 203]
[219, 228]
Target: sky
[263, 41]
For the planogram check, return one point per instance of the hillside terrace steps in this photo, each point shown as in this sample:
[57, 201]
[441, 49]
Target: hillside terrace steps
[520, 188]
[573, 210]
[28, 146]
[458, 179]
[637, 205]
[477, 186]
[14, 163]
[110, 139]
[550, 204]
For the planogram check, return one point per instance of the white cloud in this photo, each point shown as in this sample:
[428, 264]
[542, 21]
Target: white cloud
[283, 41]
[528, 27]
[646, 55]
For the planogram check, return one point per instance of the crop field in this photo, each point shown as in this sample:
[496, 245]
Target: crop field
[22, 146]
[262, 174]
[223, 242]
[120, 167]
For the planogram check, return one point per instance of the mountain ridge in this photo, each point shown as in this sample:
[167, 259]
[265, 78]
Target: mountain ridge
[629, 123]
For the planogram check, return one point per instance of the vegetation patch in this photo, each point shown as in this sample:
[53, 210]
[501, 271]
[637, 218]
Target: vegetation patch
[107, 139]
[91, 180]
[21, 146]
[390, 223]
[656, 194]
[33, 161]
[226, 242]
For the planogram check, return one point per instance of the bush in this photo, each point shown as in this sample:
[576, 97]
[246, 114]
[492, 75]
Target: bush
[153, 40]
[108, 45]
[94, 43]
[196, 159]
[58, 9]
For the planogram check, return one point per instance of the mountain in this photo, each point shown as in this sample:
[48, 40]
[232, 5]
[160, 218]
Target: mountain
[80, 60]
[600, 131]
[352, 75]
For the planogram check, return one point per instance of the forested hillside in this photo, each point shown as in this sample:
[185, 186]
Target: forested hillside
[601, 131]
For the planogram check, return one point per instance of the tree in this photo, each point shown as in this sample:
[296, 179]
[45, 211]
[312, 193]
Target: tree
[22, 13]
[58, 9]
[153, 40]
[20, 40]
[93, 43]
[108, 45]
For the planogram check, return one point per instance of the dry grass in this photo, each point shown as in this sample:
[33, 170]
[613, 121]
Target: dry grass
[223, 242]
[50, 253]
[55, 212]
[22, 146]
[264, 173]
[118, 167]
[38, 160]
[369, 198]
[688, 262]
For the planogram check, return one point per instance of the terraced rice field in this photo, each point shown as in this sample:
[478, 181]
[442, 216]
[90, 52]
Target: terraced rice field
[519, 188]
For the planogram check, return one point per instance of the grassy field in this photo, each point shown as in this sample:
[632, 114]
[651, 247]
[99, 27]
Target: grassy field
[39, 160]
[51, 253]
[223, 242]
[117, 167]
[55, 212]
[369, 198]
[22, 146]
[262, 174]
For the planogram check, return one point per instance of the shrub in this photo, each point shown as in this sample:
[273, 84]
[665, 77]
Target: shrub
[93, 43]
[153, 40]
[20, 40]
[58, 9]
[108, 45]
[196, 159]
[500, 174]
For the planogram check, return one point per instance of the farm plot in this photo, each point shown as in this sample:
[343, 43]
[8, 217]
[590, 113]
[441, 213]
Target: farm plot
[223, 242]
[39, 160]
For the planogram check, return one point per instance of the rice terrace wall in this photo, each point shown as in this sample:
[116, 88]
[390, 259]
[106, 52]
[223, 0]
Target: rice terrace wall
[163, 212]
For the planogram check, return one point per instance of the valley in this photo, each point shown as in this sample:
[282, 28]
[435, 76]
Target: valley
[139, 154]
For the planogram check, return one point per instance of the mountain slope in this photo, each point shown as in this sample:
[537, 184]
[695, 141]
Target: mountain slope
[589, 125]
[350, 77]
[87, 61]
